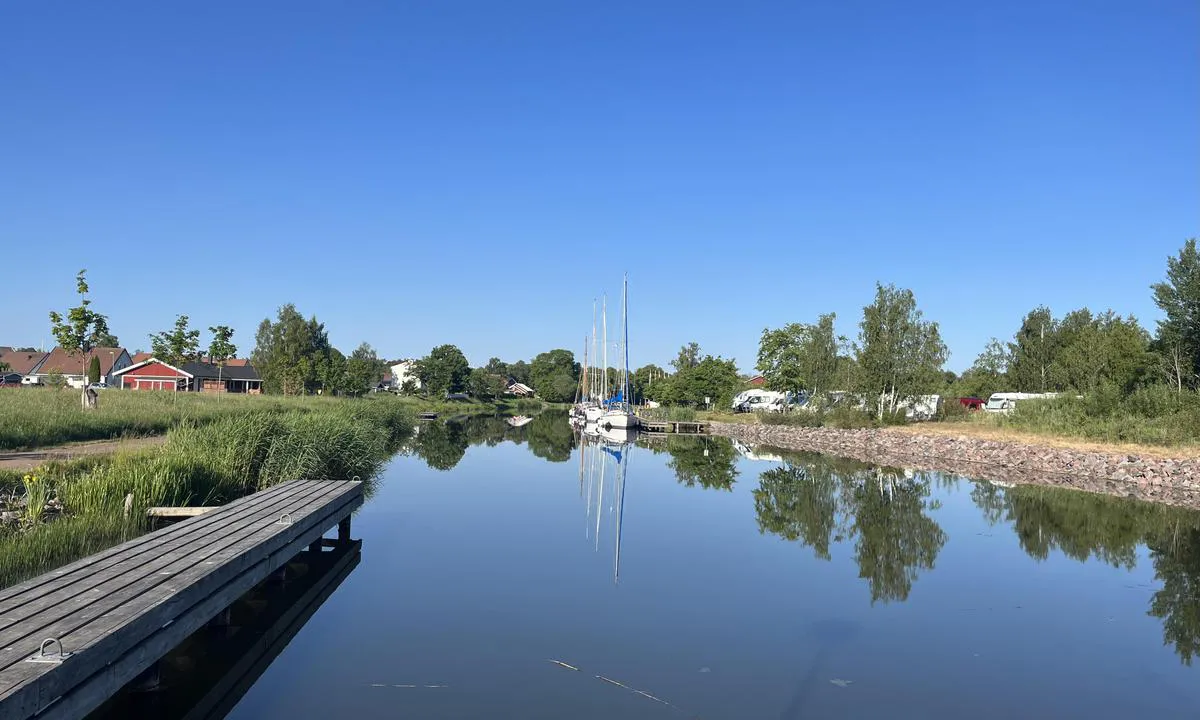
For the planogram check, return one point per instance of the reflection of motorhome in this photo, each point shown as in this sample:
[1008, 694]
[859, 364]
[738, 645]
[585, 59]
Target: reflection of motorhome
[1005, 402]
[747, 451]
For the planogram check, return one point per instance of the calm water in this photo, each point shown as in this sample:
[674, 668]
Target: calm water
[748, 585]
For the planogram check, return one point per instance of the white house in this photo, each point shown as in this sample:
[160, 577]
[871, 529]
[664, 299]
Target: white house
[404, 371]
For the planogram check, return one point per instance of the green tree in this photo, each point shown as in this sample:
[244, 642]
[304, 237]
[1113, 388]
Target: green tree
[78, 330]
[713, 377]
[647, 381]
[332, 375]
[290, 352]
[1032, 352]
[520, 372]
[1178, 337]
[485, 385]
[221, 349]
[555, 375]
[988, 374]
[364, 370]
[177, 346]
[899, 354]
[688, 357]
[496, 366]
[1100, 350]
[444, 370]
[93, 373]
[800, 357]
[107, 340]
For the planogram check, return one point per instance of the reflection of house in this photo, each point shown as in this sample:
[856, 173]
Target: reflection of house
[73, 366]
[519, 389]
[404, 371]
[20, 362]
[208, 377]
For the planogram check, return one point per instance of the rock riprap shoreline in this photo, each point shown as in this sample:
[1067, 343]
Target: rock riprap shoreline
[1163, 480]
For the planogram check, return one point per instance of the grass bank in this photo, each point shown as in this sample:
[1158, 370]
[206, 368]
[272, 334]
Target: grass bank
[82, 502]
[43, 417]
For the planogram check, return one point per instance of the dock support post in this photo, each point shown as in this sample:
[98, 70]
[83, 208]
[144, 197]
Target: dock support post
[149, 681]
[316, 546]
[344, 531]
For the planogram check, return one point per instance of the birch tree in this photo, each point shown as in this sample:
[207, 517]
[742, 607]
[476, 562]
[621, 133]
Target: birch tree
[899, 354]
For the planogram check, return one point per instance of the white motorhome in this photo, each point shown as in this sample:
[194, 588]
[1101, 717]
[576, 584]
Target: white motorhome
[1005, 402]
[766, 401]
[922, 407]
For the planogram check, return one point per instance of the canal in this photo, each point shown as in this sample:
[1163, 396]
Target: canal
[525, 572]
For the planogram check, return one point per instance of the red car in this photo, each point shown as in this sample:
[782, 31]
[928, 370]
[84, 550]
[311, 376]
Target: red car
[972, 403]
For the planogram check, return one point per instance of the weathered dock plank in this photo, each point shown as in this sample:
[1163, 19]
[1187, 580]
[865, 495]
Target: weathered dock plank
[121, 610]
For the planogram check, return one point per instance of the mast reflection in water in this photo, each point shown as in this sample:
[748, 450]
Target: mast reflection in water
[603, 463]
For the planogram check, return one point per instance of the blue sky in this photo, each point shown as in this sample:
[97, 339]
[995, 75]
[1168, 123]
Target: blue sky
[477, 172]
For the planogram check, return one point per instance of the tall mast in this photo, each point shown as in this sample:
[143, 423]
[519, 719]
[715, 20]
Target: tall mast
[591, 370]
[604, 325]
[625, 338]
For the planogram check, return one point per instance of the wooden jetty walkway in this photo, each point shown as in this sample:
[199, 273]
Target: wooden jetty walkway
[675, 427]
[73, 637]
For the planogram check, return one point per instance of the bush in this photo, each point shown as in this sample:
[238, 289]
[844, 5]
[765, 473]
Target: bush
[1155, 415]
[848, 418]
[952, 410]
[801, 418]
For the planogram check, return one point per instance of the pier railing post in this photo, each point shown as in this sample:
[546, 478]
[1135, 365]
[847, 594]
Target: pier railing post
[344, 531]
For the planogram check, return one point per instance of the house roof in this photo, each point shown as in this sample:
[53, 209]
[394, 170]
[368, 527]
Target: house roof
[63, 362]
[209, 371]
[141, 357]
[137, 368]
[21, 362]
[236, 362]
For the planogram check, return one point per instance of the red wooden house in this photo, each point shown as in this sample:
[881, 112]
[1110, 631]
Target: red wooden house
[153, 374]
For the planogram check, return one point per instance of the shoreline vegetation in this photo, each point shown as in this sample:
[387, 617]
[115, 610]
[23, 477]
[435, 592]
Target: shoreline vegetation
[35, 418]
[64, 510]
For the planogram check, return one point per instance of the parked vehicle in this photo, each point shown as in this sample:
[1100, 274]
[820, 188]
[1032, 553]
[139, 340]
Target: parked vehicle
[972, 403]
[922, 407]
[1005, 402]
[31, 380]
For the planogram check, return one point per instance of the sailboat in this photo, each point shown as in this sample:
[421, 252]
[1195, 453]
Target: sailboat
[619, 412]
[595, 410]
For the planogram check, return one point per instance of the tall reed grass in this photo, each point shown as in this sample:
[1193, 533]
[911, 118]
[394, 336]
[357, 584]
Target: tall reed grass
[206, 463]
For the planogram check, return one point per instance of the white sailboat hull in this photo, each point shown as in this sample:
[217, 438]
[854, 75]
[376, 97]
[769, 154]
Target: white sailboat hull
[618, 420]
[593, 414]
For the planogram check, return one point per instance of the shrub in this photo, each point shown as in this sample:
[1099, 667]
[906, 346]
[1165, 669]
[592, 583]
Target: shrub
[795, 419]
[848, 418]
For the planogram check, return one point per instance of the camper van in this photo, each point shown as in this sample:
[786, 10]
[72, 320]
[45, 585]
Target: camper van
[1005, 402]
[922, 407]
[766, 401]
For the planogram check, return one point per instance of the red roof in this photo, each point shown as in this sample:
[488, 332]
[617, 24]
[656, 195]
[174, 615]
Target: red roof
[141, 357]
[21, 362]
[237, 362]
[153, 369]
[62, 362]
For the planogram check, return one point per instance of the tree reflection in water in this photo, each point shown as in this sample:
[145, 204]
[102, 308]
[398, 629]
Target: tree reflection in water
[1083, 525]
[819, 500]
[443, 444]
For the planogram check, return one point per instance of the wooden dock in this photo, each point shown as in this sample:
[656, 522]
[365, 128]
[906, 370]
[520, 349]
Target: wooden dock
[73, 637]
[673, 427]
